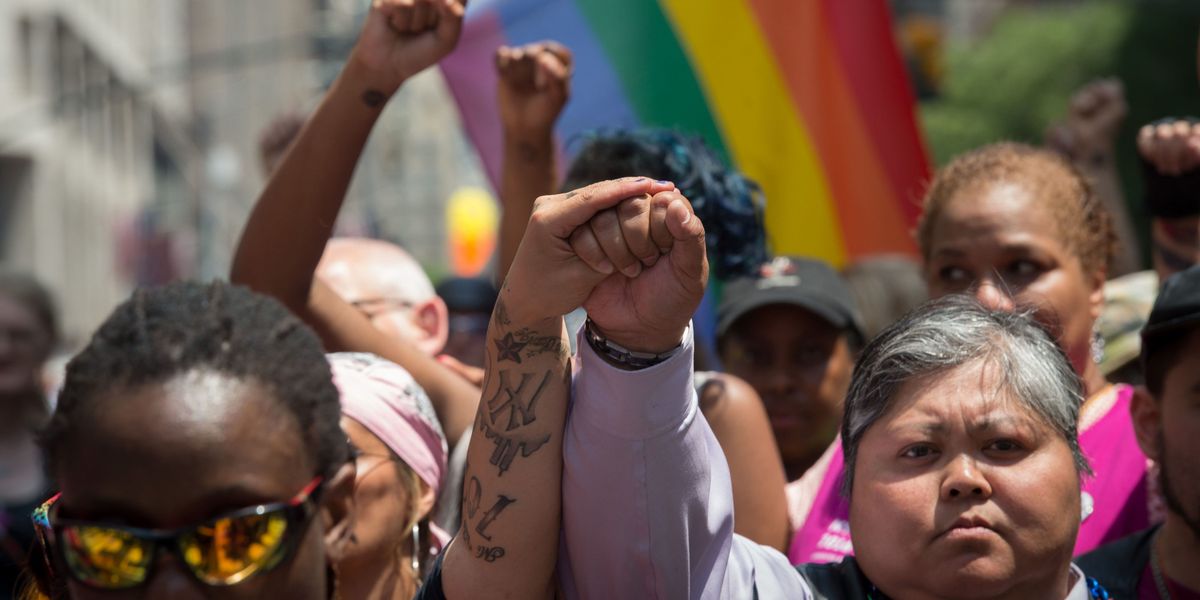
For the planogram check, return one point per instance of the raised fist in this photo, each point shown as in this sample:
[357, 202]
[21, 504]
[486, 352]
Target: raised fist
[404, 37]
[654, 248]
[535, 83]
[1094, 118]
[1172, 147]
[630, 251]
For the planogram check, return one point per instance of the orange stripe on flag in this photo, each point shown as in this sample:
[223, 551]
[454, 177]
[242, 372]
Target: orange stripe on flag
[867, 203]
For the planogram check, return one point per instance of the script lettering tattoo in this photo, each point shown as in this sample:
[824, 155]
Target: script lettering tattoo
[538, 345]
[520, 405]
[509, 348]
[489, 554]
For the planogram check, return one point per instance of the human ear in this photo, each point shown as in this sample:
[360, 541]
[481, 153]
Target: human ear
[432, 319]
[1146, 414]
[337, 512]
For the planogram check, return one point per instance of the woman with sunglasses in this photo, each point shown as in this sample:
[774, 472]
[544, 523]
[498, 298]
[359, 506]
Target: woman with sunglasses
[400, 459]
[197, 449]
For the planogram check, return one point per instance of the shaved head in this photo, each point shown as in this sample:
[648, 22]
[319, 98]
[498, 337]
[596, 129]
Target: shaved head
[389, 286]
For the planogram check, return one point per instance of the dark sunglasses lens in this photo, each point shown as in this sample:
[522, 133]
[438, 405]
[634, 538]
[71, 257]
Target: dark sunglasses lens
[106, 558]
[227, 551]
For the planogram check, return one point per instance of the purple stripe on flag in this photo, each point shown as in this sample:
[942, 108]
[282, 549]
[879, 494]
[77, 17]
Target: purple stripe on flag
[597, 98]
[471, 76]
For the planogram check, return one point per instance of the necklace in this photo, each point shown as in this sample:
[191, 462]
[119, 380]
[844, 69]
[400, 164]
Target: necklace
[1160, 583]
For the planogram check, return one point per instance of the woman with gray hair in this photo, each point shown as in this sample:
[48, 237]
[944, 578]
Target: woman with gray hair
[963, 474]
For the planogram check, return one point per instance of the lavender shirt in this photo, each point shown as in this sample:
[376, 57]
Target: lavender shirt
[647, 500]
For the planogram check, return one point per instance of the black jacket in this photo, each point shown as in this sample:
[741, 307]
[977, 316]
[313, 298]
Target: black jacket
[1119, 566]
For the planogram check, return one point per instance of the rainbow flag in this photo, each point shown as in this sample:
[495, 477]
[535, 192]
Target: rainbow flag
[808, 97]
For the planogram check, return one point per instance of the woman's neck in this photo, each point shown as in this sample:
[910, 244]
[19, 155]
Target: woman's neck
[393, 581]
[1093, 380]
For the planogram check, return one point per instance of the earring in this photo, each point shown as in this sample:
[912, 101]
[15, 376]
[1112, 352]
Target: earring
[334, 581]
[1097, 346]
[416, 554]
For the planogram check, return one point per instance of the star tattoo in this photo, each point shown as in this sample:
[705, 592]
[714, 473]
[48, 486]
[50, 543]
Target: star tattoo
[510, 348]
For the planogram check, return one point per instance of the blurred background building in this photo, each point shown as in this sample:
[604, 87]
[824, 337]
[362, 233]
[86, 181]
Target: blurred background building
[129, 139]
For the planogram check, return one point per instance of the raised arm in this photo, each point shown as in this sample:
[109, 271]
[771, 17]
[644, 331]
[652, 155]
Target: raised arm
[1088, 137]
[293, 218]
[508, 543]
[534, 87]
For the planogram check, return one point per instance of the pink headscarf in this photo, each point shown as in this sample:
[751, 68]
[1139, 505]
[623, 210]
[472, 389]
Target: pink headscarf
[385, 399]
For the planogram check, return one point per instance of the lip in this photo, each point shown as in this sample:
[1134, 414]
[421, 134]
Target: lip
[785, 421]
[969, 527]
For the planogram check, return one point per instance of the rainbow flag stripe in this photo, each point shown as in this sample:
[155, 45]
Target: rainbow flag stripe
[807, 97]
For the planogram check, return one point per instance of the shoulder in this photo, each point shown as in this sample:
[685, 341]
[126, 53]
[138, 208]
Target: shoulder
[720, 392]
[1119, 565]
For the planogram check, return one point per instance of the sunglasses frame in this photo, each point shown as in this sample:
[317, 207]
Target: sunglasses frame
[297, 511]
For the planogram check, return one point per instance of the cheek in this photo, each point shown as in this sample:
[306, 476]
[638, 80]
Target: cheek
[1061, 301]
[910, 506]
[381, 505]
[396, 325]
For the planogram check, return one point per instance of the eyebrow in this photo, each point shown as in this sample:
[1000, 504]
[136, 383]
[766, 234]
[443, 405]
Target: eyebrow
[983, 423]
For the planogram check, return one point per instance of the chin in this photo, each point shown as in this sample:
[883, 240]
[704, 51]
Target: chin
[976, 576]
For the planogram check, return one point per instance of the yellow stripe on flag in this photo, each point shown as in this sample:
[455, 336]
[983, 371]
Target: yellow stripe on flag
[765, 135]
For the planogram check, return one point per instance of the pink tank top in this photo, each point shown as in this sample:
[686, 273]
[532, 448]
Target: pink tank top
[1115, 501]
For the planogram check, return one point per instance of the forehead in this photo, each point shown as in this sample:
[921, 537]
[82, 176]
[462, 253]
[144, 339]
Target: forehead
[983, 215]
[973, 396]
[1182, 376]
[175, 452]
[782, 321]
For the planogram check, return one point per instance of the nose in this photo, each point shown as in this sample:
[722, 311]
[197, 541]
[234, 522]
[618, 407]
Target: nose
[963, 479]
[780, 380]
[169, 580]
[993, 295]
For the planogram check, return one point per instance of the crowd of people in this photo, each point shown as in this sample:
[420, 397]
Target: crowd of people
[329, 424]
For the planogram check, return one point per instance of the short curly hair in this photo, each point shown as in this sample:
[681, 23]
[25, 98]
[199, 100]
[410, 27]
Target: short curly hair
[1084, 224]
[168, 331]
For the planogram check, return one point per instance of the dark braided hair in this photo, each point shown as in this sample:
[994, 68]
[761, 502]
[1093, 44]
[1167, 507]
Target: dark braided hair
[729, 204]
[168, 331]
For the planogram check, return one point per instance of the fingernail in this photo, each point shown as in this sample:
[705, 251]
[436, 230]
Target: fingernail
[606, 267]
[633, 270]
[665, 182]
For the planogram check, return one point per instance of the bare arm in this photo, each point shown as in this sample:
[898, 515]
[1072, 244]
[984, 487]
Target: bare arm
[293, 219]
[739, 421]
[1088, 137]
[534, 87]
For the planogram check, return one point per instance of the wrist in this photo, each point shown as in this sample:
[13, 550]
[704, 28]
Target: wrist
[644, 342]
[624, 357]
[365, 79]
[535, 137]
